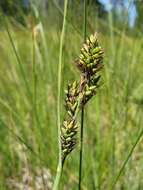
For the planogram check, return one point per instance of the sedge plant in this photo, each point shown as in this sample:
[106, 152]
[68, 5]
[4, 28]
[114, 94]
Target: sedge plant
[78, 94]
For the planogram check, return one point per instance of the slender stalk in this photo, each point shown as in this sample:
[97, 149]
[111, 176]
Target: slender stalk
[111, 24]
[81, 148]
[60, 166]
[21, 67]
[82, 111]
[35, 116]
[68, 20]
[17, 56]
[34, 73]
[126, 160]
[85, 20]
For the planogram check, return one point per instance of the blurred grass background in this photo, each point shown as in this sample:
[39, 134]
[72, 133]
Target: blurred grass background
[28, 98]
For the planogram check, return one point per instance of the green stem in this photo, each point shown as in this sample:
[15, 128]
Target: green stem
[127, 159]
[34, 74]
[85, 20]
[81, 148]
[17, 56]
[82, 111]
[60, 166]
[34, 85]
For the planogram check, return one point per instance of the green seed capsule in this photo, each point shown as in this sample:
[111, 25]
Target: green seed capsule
[87, 93]
[87, 60]
[82, 62]
[68, 139]
[64, 131]
[74, 84]
[74, 106]
[95, 56]
[66, 146]
[91, 65]
[84, 53]
[88, 41]
[86, 48]
[69, 104]
[65, 150]
[94, 70]
[96, 50]
[65, 123]
[92, 87]
[70, 113]
[75, 127]
[70, 125]
[81, 56]
[65, 135]
[71, 134]
[92, 38]
[73, 92]
[66, 91]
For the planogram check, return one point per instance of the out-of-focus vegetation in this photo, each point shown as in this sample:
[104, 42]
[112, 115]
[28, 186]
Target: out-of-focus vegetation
[28, 97]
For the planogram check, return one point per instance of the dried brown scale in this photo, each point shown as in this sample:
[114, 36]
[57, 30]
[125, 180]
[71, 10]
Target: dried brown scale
[78, 94]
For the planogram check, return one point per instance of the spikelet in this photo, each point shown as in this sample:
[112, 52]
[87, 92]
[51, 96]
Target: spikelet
[79, 93]
[69, 127]
[90, 62]
[91, 57]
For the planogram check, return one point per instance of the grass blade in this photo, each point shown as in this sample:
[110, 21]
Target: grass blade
[127, 159]
[17, 57]
[59, 168]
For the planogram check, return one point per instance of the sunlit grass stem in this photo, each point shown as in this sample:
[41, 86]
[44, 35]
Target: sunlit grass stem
[126, 160]
[17, 56]
[82, 109]
[59, 168]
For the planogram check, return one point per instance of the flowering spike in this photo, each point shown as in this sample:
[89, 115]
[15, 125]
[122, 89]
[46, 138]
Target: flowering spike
[78, 94]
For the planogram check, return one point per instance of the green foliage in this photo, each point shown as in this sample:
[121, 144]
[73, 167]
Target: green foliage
[28, 124]
[139, 5]
[10, 7]
[15, 9]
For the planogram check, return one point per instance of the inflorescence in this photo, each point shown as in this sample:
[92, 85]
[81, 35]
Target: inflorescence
[89, 63]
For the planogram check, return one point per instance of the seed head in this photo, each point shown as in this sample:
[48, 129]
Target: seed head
[79, 93]
[69, 127]
[91, 57]
[90, 62]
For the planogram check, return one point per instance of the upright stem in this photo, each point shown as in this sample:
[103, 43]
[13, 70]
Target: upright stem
[81, 148]
[17, 57]
[85, 21]
[127, 159]
[82, 110]
[59, 167]
[34, 77]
